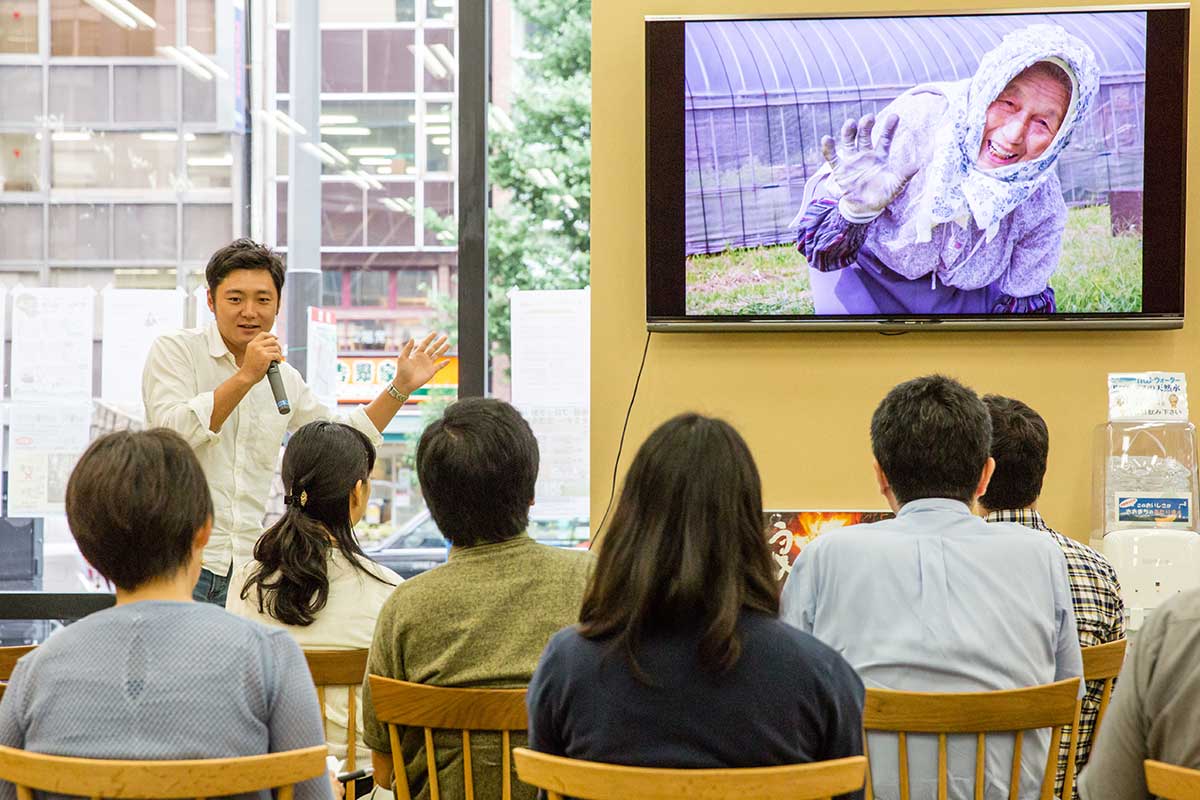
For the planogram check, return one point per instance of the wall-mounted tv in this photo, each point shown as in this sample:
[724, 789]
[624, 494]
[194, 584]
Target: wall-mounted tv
[955, 171]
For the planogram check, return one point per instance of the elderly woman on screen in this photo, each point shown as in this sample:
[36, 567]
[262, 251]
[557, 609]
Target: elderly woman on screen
[952, 205]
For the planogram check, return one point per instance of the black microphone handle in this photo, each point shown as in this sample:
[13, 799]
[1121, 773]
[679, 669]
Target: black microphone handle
[276, 381]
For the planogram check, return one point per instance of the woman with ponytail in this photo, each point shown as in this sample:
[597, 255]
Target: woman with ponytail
[309, 574]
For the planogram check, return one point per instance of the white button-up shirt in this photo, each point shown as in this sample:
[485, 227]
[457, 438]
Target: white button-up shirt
[182, 371]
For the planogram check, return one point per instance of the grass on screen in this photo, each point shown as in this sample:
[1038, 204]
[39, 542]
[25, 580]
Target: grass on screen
[1097, 272]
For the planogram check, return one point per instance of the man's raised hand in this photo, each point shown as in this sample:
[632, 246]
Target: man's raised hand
[420, 362]
[260, 352]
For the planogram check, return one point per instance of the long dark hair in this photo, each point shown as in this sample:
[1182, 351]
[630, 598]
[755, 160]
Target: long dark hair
[686, 546]
[322, 463]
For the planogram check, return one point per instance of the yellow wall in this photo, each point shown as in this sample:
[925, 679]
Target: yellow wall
[803, 401]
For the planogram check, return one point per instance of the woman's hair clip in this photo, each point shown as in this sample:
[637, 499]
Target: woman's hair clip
[293, 500]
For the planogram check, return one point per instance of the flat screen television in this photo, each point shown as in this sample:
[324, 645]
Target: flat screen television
[952, 171]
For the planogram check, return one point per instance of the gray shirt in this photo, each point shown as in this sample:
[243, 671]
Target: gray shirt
[1155, 710]
[937, 600]
[164, 680]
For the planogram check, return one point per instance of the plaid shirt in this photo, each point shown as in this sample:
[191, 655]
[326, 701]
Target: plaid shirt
[1099, 618]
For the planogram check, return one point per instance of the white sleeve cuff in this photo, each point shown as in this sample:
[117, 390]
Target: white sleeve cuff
[202, 406]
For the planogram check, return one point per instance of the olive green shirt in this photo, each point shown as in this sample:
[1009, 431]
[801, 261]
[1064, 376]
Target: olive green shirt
[482, 619]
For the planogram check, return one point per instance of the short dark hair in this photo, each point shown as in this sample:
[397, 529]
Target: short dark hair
[1020, 445]
[931, 437]
[687, 548]
[477, 466]
[244, 254]
[134, 503]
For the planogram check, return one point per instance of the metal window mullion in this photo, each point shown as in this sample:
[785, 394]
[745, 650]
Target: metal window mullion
[44, 156]
[471, 187]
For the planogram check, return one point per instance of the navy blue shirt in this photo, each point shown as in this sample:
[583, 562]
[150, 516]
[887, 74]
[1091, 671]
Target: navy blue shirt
[789, 699]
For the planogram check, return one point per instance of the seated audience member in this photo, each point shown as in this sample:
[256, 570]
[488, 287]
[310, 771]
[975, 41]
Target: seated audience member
[309, 574]
[158, 676]
[679, 659]
[937, 600]
[1155, 711]
[481, 619]
[1020, 446]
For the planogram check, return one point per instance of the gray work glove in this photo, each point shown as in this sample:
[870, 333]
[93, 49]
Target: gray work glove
[862, 169]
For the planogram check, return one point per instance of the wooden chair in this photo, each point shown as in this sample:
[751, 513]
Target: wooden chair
[135, 780]
[8, 662]
[436, 707]
[1101, 662]
[1170, 782]
[591, 780]
[1013, 711]
[346, 669]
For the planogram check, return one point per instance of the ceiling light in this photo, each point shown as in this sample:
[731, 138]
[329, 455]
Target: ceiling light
[135, 12]
[113, 13]
[370, 179]
[165, 136]
[338, 119]
[333, 151]
[292, 126]
[372, 161]
[441, 140]
[206, 62]
[72, 136]
[429, 59]
[184, 60]
[444, 55]
[370, 151]
[312, 149]
[343, 131]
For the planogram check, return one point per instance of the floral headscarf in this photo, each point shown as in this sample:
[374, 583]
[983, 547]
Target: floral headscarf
[954, 188]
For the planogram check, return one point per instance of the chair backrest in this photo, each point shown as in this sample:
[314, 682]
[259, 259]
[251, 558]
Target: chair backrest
[591, 780]
[171, 780]
[8, 662]
[1103, 663]
[1011, 711]
[436, 707]
[341, 668]
[1171, 782]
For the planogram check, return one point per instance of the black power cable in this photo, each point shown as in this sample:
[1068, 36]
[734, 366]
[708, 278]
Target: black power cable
[612, 492]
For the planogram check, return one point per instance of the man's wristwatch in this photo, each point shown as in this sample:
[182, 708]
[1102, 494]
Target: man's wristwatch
[396, 394]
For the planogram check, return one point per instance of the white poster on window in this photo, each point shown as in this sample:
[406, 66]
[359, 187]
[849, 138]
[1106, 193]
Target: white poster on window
[203, 315]
[551, 382]
[133, 319]
[322, 364]
[44, 442]
[52, 345]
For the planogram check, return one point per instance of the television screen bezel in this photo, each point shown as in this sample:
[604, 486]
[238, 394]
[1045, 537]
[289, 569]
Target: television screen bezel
[666, 198]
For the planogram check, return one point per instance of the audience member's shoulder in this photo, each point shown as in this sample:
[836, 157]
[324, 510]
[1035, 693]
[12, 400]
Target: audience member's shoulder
[852, 535]
[1183, 608]
[794, 645]
[379, 571]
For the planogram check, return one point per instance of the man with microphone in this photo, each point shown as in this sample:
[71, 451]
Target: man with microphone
[207, 385]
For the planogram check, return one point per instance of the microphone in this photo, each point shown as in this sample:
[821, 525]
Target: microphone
[276, 381]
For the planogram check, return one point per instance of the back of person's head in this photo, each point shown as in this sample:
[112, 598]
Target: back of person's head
[135, 503]
[325, 466]
[477, 466]
[686, 547]
[931, 437]
[1020, 445]
[243, 254]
